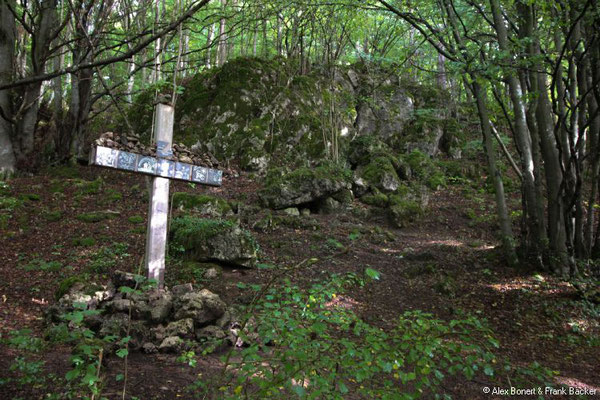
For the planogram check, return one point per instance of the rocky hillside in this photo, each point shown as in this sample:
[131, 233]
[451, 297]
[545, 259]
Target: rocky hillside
[261, 113]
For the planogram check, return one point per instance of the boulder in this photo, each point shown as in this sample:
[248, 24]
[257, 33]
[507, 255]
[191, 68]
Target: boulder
[182, 328]
[202, 204]
[171, 344]
[408, 205]
[207, 240]
[149, 348]
[293, 211]
[119, 305]
[202, 307]
[304, 185]
[380, 174]
[182, 289]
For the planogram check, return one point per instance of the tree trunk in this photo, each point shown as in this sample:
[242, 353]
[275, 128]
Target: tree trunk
[222, 44]
[7, 45]
[531, 237]
[501, 208]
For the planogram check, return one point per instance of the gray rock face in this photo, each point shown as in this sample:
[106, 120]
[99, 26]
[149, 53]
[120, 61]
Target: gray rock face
[429, 142]
[385, 116]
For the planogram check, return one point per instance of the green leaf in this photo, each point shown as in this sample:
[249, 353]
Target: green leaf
[373, 274]
[343, 388]
[122, 352]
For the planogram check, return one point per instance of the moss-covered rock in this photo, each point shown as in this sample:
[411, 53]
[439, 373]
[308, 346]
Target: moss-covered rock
[404, 211]
[344, 196]
[206, 240]
[66, 284]
[376, 199]
[202, 204]
[363, 149]
[381, 174]
[425, 170]
[304, 185]
[407, 205]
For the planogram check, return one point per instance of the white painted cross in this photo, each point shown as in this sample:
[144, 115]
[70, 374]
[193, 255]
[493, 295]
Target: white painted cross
[161, 170]
[156, 234]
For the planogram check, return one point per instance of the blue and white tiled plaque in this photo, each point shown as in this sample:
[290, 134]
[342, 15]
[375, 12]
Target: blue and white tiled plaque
[146, 164]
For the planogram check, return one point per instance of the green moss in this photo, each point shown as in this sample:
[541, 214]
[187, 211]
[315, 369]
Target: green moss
[113, 195]
[295, 222]
[138, 230]
[380, 173]
[66, 284]
[188, 226]
[4, 221]
[188, 230]
[30, 197]
[404, 210]
[425, 170]
[64, 171]
[10, 203]
[89, 187]
[436, 181]
[277, 178]
[201, 203]
[84, 242]
[377, 199]
[53, 216]
[344, 196]
[95, 216]
[136, 219]
[364, 148]
[57, 185]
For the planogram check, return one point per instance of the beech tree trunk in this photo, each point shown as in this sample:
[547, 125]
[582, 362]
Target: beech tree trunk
[7, 45]
[501, 208]
[533, 235]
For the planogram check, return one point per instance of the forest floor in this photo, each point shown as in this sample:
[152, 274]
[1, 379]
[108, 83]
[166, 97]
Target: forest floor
[444, 263]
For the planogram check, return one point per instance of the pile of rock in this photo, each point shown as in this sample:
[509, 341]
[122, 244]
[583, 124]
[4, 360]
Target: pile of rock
[167, 321]
[132, 143]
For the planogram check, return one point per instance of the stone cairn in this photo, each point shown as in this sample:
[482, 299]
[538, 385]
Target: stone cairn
[132, 144]
[166, 321]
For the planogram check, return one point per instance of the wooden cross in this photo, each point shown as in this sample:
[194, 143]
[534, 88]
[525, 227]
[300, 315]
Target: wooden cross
[161, 169]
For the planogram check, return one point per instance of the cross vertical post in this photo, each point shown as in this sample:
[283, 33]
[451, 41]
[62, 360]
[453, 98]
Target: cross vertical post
[156, 235]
